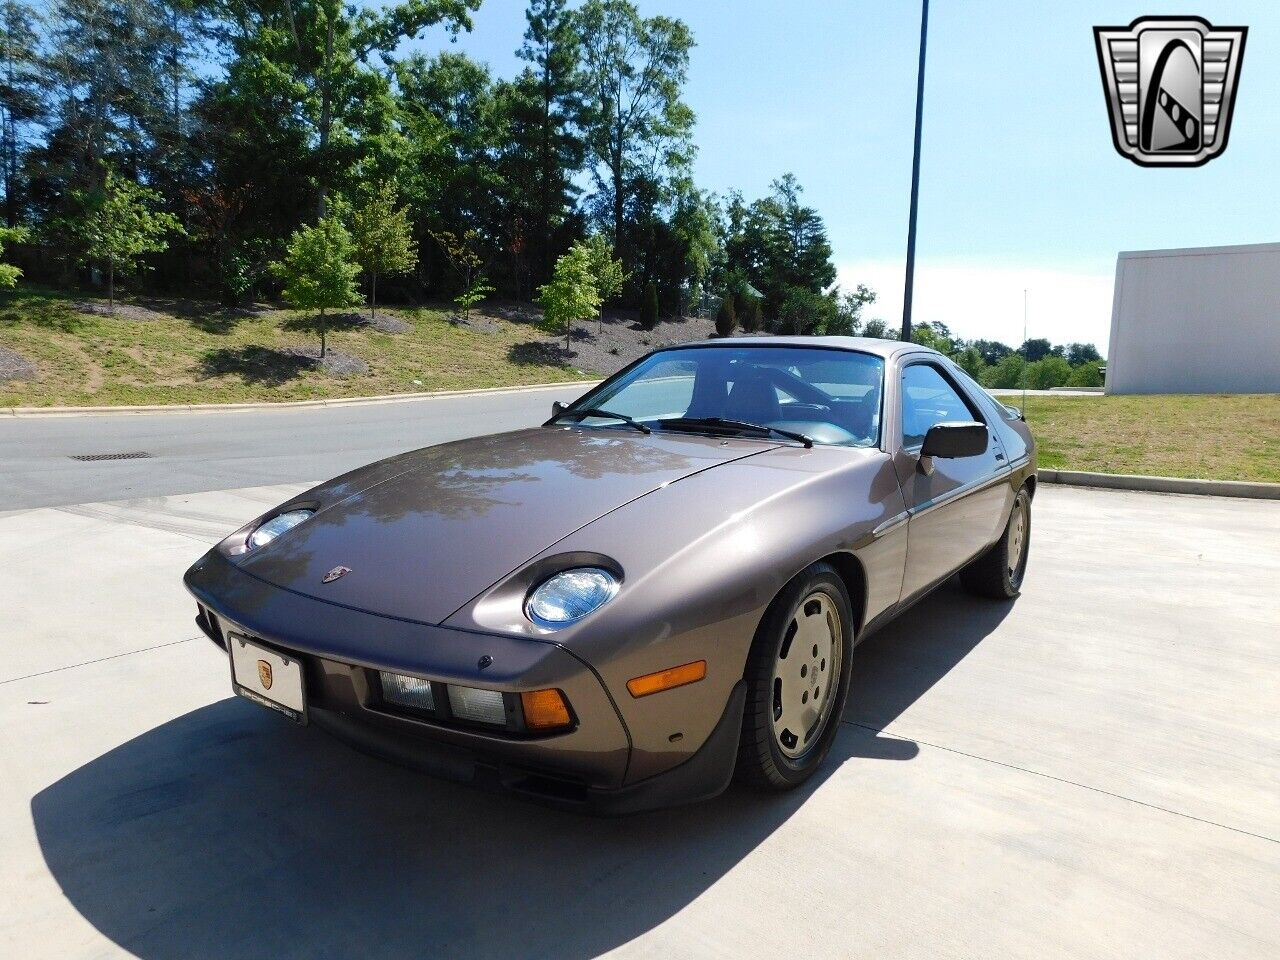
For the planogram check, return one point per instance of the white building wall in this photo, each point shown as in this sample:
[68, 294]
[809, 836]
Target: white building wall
[1201, 320]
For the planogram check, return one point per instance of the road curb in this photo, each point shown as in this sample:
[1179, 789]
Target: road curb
[1126, 481]
[280, 404]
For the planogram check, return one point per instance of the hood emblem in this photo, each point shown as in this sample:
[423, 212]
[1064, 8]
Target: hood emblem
[337, 573]
[264, 674]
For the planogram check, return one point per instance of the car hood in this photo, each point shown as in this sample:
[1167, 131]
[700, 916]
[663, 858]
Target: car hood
[423, 537]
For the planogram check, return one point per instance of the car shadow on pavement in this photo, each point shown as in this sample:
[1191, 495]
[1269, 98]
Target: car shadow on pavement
[229, 833]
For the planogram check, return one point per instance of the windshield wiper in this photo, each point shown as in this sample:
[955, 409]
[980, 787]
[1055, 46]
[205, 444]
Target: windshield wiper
[722, 423]
[601, 412]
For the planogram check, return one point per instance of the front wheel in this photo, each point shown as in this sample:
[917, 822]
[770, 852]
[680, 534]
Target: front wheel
[797, 680]
[998, 573]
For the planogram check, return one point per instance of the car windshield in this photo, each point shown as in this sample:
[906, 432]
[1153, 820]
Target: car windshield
[829, 396]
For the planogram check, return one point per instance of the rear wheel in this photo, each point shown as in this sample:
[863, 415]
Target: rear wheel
[998, 573]
[797, 680]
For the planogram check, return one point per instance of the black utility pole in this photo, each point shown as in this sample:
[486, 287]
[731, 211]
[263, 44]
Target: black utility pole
[915, 180]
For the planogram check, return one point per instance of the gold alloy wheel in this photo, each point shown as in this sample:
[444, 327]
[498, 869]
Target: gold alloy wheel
[806, 674]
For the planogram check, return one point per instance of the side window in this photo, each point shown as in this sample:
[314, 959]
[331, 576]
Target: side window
[927, 398]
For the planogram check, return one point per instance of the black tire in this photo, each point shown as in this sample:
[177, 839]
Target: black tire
[992, 575]
[761, 760]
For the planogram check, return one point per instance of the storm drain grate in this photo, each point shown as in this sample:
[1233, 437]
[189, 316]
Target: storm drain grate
[88, 457]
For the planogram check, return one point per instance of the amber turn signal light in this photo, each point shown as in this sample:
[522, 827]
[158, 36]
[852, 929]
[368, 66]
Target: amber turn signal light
[545, 709]
[667, 679]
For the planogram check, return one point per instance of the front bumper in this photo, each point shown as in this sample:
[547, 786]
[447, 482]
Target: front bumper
[584, 767]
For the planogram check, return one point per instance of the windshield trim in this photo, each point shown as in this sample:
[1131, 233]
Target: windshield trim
[586, 398]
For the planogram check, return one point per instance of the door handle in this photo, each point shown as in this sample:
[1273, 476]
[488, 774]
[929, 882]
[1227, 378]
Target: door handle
[999, 456]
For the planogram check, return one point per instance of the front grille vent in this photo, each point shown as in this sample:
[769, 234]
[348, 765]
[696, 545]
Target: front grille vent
[90, 457]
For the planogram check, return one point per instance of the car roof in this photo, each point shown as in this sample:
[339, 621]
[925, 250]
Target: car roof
[877, 347]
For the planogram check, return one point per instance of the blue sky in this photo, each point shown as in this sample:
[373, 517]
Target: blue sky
[1021, 187]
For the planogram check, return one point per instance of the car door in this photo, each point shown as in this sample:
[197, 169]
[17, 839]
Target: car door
[956, 506]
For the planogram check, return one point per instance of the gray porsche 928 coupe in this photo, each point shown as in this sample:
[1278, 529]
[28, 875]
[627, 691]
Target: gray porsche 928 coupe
[658, 588]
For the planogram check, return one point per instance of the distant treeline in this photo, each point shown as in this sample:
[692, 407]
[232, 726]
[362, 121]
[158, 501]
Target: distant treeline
[183, 142]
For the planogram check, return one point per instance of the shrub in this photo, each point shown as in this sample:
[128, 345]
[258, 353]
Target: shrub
[970, 361]
[649, 306]
[727, 318]
[751, 318]
[1086, 375]
[1005, 375]
[1048, 372]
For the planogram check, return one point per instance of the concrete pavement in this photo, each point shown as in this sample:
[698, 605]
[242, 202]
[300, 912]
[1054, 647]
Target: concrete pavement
[1092, 771]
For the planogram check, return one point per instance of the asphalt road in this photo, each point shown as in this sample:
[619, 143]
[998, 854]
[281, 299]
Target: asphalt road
[1090, 771]
[191, 452]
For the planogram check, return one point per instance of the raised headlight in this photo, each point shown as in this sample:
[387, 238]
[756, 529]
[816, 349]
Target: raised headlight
[280, 523]
[570, 595]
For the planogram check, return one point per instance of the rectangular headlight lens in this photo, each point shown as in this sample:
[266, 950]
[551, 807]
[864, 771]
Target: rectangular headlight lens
[478, 706]
[413, 692]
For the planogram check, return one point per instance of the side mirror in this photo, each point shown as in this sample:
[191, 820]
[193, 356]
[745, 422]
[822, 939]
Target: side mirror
[558, 407]
[950, 440]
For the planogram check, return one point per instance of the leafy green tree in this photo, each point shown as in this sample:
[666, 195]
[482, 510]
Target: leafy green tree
[970, 361]
[571, 295]
[805, 312]
[9, 274]
[319, 271]
[1048, 372]
[607, 274]
[726, 318]
[463, 253]
[933, 335]
[383, 237]
[1087, 374]
[877, 329]
[118, 225]
[847, 321]
[1078, 353]
[993, 351]
[649, 306]
[635, 68]
[1005, 374]
[752, 316]
[1033, 350]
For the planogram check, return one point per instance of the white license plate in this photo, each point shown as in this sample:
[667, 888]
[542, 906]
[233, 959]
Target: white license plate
[266, 677]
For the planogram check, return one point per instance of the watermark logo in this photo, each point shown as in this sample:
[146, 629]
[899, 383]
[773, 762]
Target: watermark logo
[1170, 84]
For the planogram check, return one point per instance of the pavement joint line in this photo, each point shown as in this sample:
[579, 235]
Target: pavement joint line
[88, 663]
[1049, 776]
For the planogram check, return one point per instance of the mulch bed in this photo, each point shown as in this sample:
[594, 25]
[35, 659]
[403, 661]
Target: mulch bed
[608, 347]
[14, 366]
[335, 362]
[127, 310]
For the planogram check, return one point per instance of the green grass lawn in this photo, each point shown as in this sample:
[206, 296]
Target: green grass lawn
[157, 351]
[1209, 437]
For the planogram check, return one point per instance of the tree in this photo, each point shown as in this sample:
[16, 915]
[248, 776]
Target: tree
[571, 295]
[1033, 350]
[805, 312]
[1048, 372]
[464, 256]
[752, 318]
[933, 335]
[970, 361]
[9, 274]
[607, 274]
[1078, 353]
[22, 94]
[319, 271]
[547, 110]
[635, 121]
[726, 319]
[118, 225]
[383, 238]
[649, 306]
[847, 321]
[1007, 373]
[877, 329]
[992, 351]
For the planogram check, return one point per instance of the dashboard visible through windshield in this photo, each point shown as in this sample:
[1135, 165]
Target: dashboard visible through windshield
[813, 394]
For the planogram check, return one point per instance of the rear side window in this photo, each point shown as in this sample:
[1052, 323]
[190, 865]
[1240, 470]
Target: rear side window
[928, 398]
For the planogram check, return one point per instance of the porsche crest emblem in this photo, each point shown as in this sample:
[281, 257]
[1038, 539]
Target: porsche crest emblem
[337, 573]
[264, 674]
